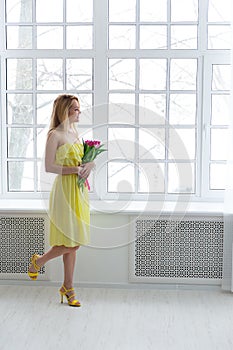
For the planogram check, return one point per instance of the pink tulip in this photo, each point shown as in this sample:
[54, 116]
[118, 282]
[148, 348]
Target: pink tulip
[94, 143]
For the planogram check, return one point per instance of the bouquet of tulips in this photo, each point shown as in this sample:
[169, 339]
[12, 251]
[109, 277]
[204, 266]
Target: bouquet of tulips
[91, 151]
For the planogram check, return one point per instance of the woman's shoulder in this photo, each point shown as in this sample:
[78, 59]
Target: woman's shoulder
[56, 136]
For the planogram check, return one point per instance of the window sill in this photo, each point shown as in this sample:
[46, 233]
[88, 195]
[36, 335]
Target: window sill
[119, 207]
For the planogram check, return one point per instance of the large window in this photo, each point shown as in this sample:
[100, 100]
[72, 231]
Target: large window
[153, 80]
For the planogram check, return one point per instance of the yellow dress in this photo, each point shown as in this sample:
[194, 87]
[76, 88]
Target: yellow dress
[68, 205]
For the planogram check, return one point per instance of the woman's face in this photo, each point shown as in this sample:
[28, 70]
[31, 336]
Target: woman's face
[74, 112]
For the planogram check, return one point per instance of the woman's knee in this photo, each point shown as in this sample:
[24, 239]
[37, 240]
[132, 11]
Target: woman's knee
[72, 249]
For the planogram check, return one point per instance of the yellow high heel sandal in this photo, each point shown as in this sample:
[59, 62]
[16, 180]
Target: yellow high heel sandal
[34, 275]
[75, 302]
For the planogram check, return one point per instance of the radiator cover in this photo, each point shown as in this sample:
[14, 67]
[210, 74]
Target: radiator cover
[20, 237]
[180, 250]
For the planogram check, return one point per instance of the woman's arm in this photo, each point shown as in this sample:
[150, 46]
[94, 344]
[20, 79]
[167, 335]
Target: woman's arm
[50, 156]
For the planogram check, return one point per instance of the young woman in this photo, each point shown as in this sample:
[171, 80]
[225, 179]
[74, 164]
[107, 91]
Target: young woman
[68, 206]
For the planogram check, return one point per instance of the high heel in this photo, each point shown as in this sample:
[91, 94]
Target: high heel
[63, 293]
[34, 275]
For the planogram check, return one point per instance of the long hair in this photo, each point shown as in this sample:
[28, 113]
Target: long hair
[60, 111]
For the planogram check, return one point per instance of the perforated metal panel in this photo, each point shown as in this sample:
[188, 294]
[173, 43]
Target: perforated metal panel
[20, 237]
[190, 248]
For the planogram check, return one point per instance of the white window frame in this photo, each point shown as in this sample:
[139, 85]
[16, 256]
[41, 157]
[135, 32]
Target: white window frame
[100, 53]
[209, 61]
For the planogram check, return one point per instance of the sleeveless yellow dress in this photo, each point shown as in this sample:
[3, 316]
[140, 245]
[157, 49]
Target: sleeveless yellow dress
[68, 205]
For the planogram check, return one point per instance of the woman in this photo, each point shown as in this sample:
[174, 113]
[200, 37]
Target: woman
[68, 206]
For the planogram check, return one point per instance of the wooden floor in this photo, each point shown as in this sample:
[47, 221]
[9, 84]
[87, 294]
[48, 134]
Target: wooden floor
[115, 319]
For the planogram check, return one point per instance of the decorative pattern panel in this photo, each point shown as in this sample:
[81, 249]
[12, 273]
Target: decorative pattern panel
[20, 237]
[187, 248]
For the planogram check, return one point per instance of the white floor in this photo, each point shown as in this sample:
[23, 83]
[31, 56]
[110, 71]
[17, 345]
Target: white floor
[31, 317]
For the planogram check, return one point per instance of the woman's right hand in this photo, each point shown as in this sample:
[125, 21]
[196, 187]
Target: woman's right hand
[86, 169]
[79, 171]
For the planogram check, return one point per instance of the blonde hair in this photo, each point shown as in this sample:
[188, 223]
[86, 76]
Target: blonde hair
[60, 111]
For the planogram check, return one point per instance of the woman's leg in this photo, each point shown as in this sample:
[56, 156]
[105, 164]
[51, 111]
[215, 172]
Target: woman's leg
[52, 253]
[69, 265]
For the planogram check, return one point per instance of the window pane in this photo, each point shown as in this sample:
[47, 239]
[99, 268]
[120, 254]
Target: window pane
[79, 37]
[19, 10]
[151, 178]
[44, 107]
[182, 109]
[219, 37]
[121, 177]
[220, 109]
[184, 10]
[19, 37]
[19, 74]
[122, 11]
[122, 37]
[153, 37]
[183, 37]
[41, 187]
[41, 140]
[153, 11]
[219, 11]
[86, 107]
[79, 74]
[49, 11]
[121, 108]
[122, 74]
[79, 10]
[221, 79]
[20, 142]
[86, 102]
[85, 133]
[121, 143]
[19, 109]
[49, 74]
[152, 143]
[219, 144]
[122, 98]
[21, 176]
[152, 108]
[218, 176]
[183, 75]
[49, 37]
[153, 74]
[182, 144]
[181, 178]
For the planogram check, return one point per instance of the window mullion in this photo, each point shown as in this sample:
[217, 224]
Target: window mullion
[200, 128]
[202, 26]
[100, 14]
[137, 91]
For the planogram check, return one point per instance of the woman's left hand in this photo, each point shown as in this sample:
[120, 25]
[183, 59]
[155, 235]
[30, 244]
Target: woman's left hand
[86, 169]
